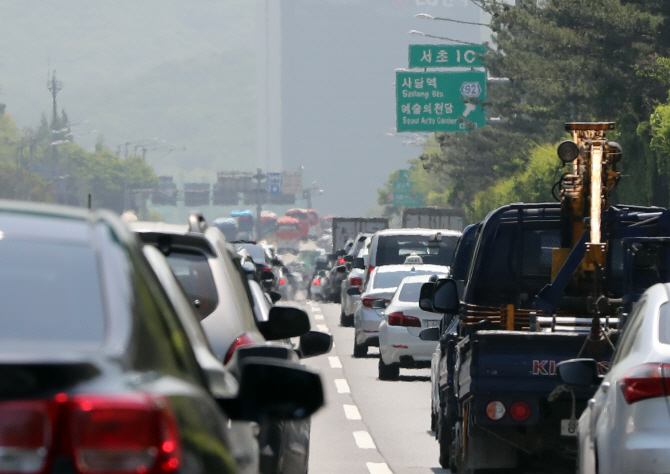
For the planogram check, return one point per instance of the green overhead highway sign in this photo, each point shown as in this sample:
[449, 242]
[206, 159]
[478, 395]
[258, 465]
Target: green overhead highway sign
[443, 55]
[440, 101]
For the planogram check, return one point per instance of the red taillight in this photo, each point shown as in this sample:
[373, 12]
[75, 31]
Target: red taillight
[132, 433]
[242, 340]
[267, 269]
[340, 261]
[26, 433]
[370, 268]
[519, 411]
[646, 381]
[399, 319]
[282, 281]
[367, 302]
[316, 282]
[356, 281]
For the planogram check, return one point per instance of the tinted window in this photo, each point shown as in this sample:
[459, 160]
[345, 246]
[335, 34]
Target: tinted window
[193, 272]
[393, 279]
[394, 249]
[410, 292]
[49, 291]
[257, 253]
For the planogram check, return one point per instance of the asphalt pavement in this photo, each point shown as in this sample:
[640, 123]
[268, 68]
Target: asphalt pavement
[368, 426]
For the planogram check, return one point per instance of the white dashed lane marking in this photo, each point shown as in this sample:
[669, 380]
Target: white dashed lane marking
[378, 468]
[335, 362]
[318, 317]
[351, 412]
[342, 386]
[322, 327]
[364, 440]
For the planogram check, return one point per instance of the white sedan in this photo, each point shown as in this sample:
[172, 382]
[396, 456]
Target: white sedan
[378, 291]
[402, 321]
[626, 425]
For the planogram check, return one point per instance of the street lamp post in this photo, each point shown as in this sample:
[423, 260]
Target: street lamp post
[259, 176]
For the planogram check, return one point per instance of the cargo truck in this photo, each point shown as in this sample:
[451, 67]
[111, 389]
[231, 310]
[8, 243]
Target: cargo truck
[433, 218]
[345, 228]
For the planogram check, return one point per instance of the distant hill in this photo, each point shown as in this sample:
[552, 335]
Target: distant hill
[180, 71]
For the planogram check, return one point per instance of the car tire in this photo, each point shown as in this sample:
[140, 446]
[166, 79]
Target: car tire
[360, 350]
[346, 320]
[388, 372]
[445, 441]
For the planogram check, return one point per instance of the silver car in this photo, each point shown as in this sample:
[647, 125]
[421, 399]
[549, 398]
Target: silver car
[626, 425]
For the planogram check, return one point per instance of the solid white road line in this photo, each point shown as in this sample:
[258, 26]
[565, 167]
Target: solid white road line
[322, 327]
[342, 386]
[378, 468]
[351, 412]
[364, 440]
[335, 362]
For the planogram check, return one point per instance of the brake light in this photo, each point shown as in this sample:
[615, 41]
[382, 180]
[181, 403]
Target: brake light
[316, 282]
[26, 433]
[282, 281]
[340, 261]
[370, 268]
[646, 381]
[267, 269]
[241, 341]
[519, 411]
[133, 433]
[399, 319]
[367, 302]
[356, 281]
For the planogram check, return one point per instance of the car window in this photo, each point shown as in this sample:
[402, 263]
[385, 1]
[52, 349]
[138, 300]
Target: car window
[50, 291]
[257, 253]
[194, 274]
[664, 323]
[393, 279]
[631, 332]
[394, 249]
[410, 292]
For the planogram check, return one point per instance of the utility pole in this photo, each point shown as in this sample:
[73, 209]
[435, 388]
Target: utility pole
[54, 87]
[259, 176]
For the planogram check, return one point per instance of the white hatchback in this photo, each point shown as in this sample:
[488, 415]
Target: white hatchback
[402, 321]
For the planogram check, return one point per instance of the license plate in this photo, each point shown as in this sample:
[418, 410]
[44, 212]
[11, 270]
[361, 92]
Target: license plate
[432, 323]
[568, 429]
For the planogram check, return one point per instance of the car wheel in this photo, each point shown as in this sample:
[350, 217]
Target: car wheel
[346, 320]
[388, 372]
[360, 350]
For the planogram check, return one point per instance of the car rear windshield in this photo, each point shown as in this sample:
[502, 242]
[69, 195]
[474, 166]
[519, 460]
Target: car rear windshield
[193, 272]
[256, 252]
[410, 292]
[393, 279]
[394, 249]
[50, 291]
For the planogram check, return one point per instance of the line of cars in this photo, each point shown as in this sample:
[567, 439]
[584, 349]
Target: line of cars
[144, 351]
[379, 295]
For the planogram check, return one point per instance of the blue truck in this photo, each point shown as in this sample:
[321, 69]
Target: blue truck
[533, 285]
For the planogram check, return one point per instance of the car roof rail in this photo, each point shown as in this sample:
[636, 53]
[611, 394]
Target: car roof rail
[197, 222]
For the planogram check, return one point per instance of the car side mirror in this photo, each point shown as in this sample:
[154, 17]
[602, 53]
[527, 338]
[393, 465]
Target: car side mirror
[267, 275]
[426, 297]
[314, 343]
[341, 269]
[582, 372]
[430, 334]
[284, 322]
[348, 258]
[274, 389]
[444, 298]
[274, 296]
[378, 304]
[354, 291]
[359, 263]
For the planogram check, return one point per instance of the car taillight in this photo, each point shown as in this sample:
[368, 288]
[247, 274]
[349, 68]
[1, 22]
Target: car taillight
[133, 433]
[495, 410]
[367, 302]
[370, 268]
[316, 282]
[242, 340]
[646, 381]
[267, 269]
[26, 433]
[399, 319]
[519, 411]
[356, 281]
[282, 281]
[340, 261]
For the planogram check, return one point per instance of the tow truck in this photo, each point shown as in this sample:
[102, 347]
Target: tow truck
[544, 283]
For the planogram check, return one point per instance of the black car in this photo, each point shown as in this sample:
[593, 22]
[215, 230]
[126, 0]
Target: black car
[98, 373]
